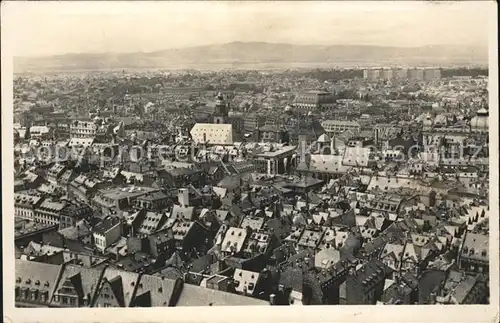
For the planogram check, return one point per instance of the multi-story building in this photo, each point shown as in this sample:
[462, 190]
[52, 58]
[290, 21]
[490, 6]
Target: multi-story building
[55, 172]
[314, 100]
[24, 206]
[366, 284]
[252, 122]
[479, 123]
[220, 131]
[34, 283]
[40, 132]
[221, 110]
[474, 253]
[107, 233]
[372, 74]
[432, 74]
[274, 161]
[272, 134]
[333, 127]
[118, 198]
[83, 129]
[418, 74]
[72, 213]
[238, 123]
[153, 201]
[49, 212]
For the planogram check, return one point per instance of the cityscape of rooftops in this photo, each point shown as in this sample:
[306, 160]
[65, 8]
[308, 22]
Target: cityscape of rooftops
[316, 185]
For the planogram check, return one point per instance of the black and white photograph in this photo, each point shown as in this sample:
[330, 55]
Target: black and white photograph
[218, 154]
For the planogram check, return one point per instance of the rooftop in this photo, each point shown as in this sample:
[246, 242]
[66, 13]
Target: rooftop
[126, 192]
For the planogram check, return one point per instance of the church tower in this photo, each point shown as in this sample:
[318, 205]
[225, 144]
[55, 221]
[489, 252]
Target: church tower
[220, 115]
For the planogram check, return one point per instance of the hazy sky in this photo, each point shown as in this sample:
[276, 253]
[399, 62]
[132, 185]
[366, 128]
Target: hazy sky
[44, 28]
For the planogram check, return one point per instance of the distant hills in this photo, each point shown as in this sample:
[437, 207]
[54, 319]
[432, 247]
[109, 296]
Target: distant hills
[261, 55]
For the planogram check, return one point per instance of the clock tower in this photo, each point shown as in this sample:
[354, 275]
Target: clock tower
[220, 115]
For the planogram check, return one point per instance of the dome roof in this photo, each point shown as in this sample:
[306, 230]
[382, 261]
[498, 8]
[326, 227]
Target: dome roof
[324, 138]
[479, 123]
[482, 112]
[288, 108]
[428, 121]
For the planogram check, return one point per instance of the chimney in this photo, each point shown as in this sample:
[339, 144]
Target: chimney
[277, 209]
[433, 298]
[332, 144]
[272, 299]
[183, 197]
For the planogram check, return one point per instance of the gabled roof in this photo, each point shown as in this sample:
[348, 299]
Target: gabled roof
[393, 250]
[199, 296]
[128, 281]
[155, 290]
[42, 276]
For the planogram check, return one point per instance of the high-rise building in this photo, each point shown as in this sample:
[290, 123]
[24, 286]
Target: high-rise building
[419, 74]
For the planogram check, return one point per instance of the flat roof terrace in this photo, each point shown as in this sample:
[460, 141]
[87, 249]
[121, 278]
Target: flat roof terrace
[121, 193]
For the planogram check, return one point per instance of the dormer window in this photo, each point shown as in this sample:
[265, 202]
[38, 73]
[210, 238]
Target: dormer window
[43, 296]
[34, 294]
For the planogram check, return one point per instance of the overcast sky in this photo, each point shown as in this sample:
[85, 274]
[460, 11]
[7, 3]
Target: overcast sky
[42, 28]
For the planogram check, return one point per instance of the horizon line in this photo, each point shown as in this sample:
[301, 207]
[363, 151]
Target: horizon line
[243, 42]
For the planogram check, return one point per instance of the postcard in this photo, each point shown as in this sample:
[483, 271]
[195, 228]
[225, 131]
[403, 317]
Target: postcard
[250, 161]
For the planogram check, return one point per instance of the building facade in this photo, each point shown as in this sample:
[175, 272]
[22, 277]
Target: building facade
[24, 206]
[82, 129]
[314, 100]
[333, 127]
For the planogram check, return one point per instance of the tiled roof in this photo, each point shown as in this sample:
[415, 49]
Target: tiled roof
[129, 280]
[159, 288]
[89, 278]
[199, 296]
[475, 247]
[234, 239]
[216, 134]
[42, 276]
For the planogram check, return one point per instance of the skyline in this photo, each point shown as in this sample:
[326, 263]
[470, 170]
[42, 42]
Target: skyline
[63, 28]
